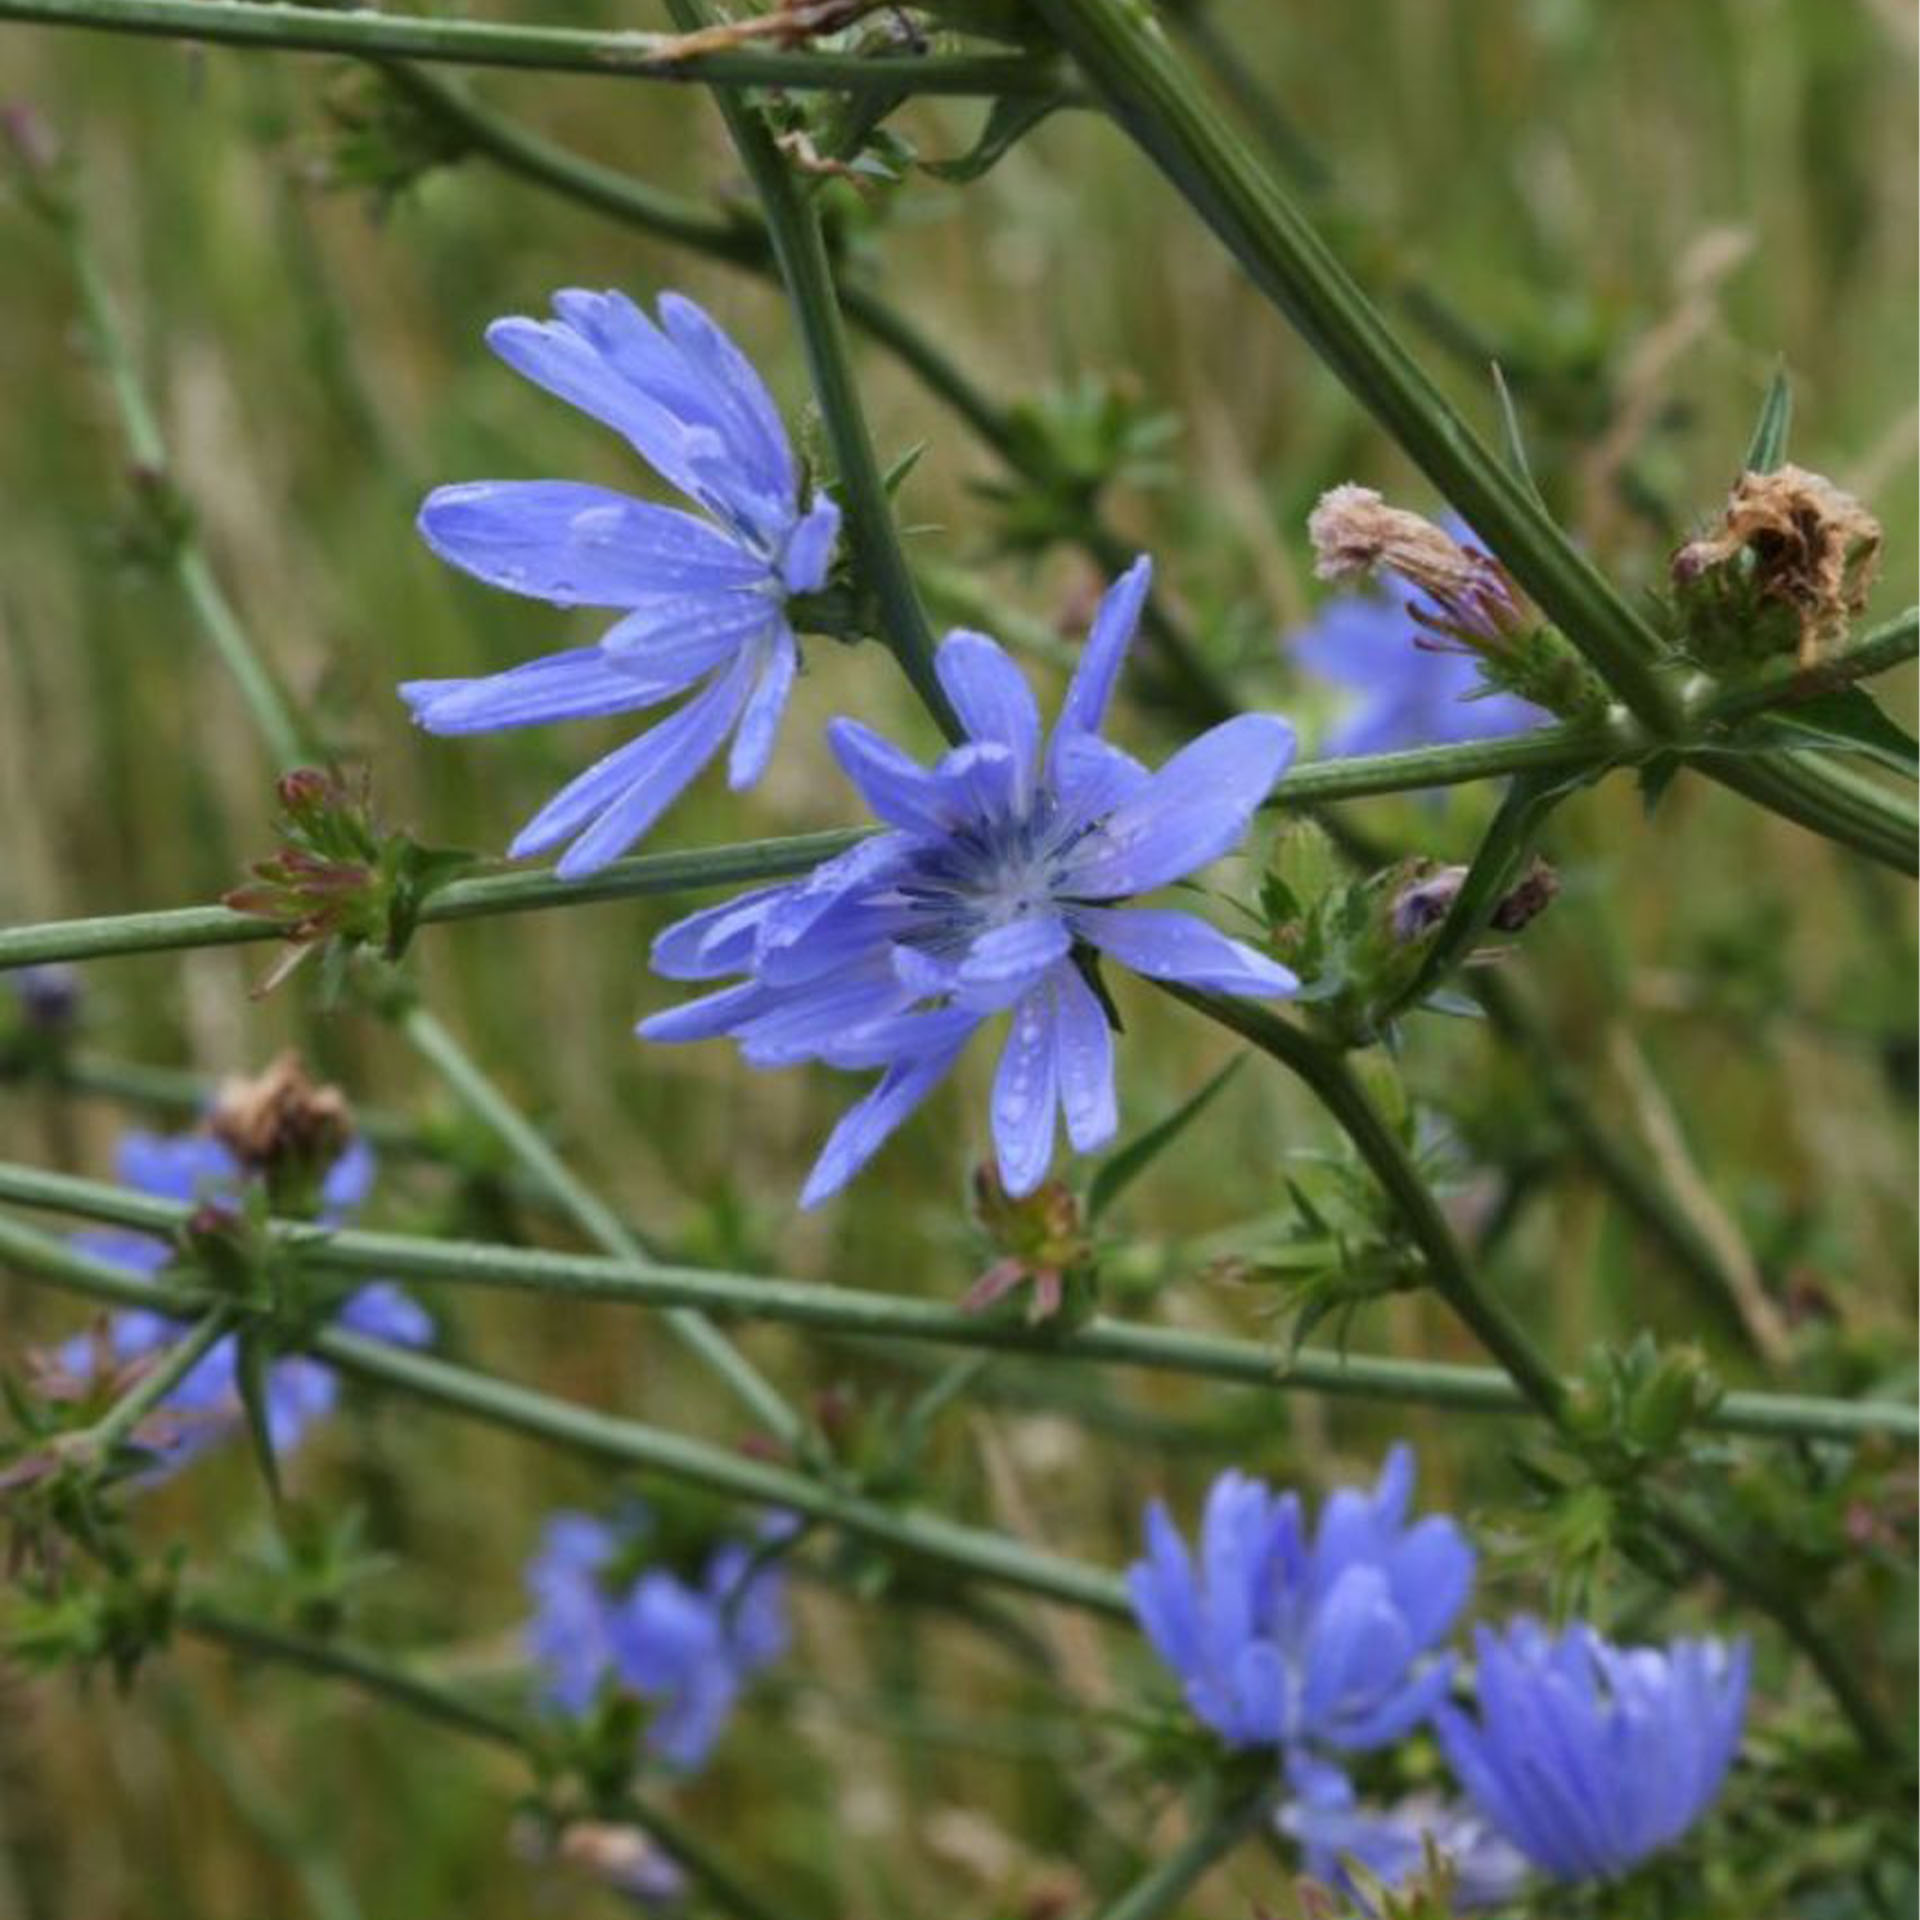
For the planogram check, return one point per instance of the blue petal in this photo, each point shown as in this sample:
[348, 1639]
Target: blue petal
[673, 641]
[715, 941]
[1091, 689]
[1024, 1095]
[756, 429]
[620, 797]
[864, 1128]
[809, 555]
[1165, 945]
[349, 1180]
[1083, 1062]
[897, 789]
[582, 684]
[1090, 778]
[173, 1167]
[1188, 814]
[1001, 965]
[991, 696]
[760, 721]
[580, 545]
[381, 1311]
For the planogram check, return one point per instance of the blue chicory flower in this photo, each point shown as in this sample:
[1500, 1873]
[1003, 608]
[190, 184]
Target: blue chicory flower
[702, 600]
[1297, 1642]
[1411, 689]
[1333, 1827]
[1590, 1757]
[685, 1646]
[206, 1403]
[991, 890]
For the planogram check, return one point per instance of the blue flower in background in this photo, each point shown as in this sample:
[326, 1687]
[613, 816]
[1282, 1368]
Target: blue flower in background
[1412, 689]
[1288, 1640]
[989, 892]
[1589, 1757]
[1332, 1827]
[685, 1646]
[206, 1403]
[703, 601]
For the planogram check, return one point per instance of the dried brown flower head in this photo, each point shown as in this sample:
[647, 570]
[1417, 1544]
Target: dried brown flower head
[281, 1121]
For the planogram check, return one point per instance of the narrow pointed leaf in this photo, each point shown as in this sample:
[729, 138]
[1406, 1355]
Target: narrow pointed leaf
[1127, 1163]
[1769, 444]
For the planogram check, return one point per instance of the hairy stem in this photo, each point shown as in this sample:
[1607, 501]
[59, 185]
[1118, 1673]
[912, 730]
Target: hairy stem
[871, 1315]
[478, 43]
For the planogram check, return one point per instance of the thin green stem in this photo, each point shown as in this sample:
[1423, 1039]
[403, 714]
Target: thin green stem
[1891, 644]
[96, 1444]
[1216, 1833]
[915, 1535]
[870, 1315]
[266, 702]
[597, 1220]
[428, 1700]
[479, 43]
[793, 229]
[520, 891]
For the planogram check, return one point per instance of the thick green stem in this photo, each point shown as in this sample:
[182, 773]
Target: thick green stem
[793, 229]
[1124, 51]
[597, 1220]
[870, 1315]
[481, 43]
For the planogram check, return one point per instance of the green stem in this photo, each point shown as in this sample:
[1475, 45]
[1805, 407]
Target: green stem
[1176, 1874]
[96, 1443]
[272, 715]
[429, 1701]
[871, 1315]
[914, 1534]
[522, 891]
[478, 43]
[1891, 644]
[597, 1220]
[793, 229]
[1327, 1074]
[1124, 51]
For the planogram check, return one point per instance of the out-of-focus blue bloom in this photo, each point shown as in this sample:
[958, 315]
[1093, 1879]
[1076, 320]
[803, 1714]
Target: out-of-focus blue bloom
[702, 600]
[687, 1647]
[1286, 1640]
[1589, 1757]
[1411, 689]
[206, 1403]
[1325, 1816]
[48, 995]
[995, 880]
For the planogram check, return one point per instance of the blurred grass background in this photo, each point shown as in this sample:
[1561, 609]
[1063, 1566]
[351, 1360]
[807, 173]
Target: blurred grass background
[1645, 204]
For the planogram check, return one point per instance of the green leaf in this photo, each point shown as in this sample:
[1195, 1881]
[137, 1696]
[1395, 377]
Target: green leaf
[1656, 776]
[1126, 1164]
[1848, 718]
[1512, 444]
[253, 1361]
[1013, 117]
[1769, 444]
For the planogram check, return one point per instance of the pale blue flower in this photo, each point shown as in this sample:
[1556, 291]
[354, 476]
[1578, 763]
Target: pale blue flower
[1410, 686]
[1590, 1757]
[205, 1405]
[686, 1646]
[993, 890]
[1333, 1826]
[1287, 1639]
[702, 597]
